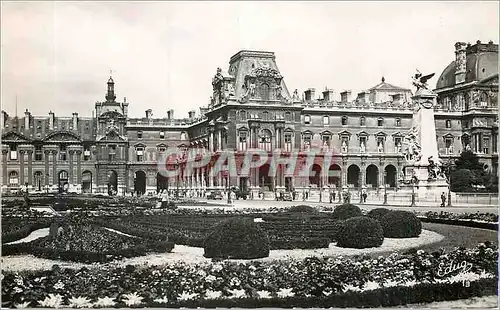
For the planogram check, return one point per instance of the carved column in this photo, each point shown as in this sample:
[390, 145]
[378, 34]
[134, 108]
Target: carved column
[47, 169]
[55, 179]
[212, 145]
[70, 174]
[4, 167]
[21, 170]
[30, 167]
[219, 139]
[79, 167]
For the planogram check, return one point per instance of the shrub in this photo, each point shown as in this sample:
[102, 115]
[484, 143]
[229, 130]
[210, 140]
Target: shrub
[237, 238]
[302, 209]
[360, 232]
[378, 213]
[401, 224]
[345, 211]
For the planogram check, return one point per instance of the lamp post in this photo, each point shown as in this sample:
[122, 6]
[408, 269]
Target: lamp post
[385, 187]
[413, 182]
[450, 164]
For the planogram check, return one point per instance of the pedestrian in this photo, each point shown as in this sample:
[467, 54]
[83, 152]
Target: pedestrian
[293, 194]
[333, 195]
[443, 199]
[365, 195]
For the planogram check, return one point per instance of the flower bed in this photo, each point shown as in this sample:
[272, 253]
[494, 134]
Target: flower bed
[89, 243]
[17, 228]
[338, 282]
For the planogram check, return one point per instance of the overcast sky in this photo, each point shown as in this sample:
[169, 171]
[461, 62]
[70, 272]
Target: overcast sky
[57, 56]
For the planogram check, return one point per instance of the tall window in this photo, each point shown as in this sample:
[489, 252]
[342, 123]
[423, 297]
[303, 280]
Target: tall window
[380, 144]
[265, 115]
[494, 146]
[243, 115]
[344, 120]
[265, 140]
[448, 123]
[38, 153]
[307, 141]
[13, 152]
[242, 140]
[486, 145]
[326, 120]
[288, 142]
[362, 144]
[362, 121]
[139, 134]
[397, 144]
[139, 153]
[112, 152]
[13, 178]
[380, 122]
[484, 100]
[326, 142]
[307, 119]
[288, 116]
[62, 153]
[449, 145]
[398, 122]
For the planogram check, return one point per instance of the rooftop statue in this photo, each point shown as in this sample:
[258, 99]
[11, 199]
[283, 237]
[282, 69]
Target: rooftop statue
[420, 80]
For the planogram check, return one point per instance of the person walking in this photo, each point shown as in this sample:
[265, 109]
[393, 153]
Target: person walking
[443, 199]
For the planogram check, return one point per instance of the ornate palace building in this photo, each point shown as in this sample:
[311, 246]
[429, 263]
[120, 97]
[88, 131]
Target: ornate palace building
[252, 107]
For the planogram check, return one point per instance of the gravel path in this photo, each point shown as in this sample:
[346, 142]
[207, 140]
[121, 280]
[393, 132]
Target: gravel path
[195, 255]
[39, 233]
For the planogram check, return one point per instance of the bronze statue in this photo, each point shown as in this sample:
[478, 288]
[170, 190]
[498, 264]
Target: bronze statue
[420, 81]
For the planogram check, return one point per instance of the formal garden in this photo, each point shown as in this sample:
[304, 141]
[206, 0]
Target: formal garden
[127, 253]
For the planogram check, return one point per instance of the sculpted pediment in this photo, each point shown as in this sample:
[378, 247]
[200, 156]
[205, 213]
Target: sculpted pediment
[112, 136]
[14, 136]
[65, 136]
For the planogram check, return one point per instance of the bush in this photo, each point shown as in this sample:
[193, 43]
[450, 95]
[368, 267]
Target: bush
[237, 238]
[345, 211]
[378, 213]
[302, 209]
[360, 232]
[401, 224]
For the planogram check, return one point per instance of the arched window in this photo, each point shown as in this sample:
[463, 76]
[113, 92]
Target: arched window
[13, 178]
[243, 115]
[344, 120]
[466, 101]
[265, 140]
[484, 100]
[448, 123]
[362, 121]
[264, 91]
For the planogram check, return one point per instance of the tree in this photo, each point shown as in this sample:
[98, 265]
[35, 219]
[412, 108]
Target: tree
[468, 172]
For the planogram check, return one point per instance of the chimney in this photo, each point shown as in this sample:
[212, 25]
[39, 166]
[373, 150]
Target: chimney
[75, 121]
[5, 116]
[51, 120]
[27, 118]
[149, 113]
[125, 108]
[363, 97]
[170, 114]
[191, 114]
[345, 96]
[460, 62]
[328, 95]
[310, 94]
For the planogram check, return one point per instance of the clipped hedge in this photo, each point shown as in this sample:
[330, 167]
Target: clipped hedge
[360, 232]
[23, 232]
[401, 224]
[378, 213]
[239, 238]
[345, 211]
[302, 209]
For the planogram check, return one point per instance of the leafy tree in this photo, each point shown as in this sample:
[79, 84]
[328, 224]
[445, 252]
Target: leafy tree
[469, 172]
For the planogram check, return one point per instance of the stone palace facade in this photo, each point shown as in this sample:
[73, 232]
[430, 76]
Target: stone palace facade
[251, 107]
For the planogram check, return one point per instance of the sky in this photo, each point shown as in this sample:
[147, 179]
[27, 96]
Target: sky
[58, 55]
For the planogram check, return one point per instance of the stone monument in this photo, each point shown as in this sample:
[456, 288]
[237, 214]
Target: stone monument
[423, 165]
